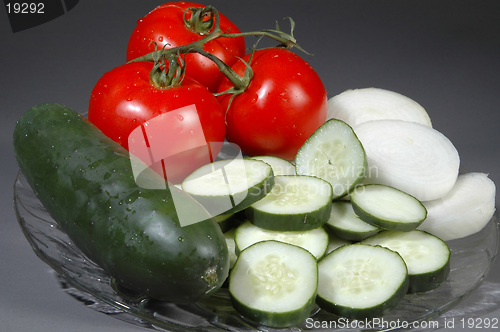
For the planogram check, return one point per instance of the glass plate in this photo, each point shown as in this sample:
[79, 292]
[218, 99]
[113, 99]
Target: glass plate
[470, 262]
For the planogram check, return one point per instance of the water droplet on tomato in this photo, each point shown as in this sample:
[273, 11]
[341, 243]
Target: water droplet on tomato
[180, 117]
[160, 39]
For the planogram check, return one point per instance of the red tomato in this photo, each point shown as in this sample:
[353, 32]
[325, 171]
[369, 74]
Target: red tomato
[165, 26]
[170, 129]
[282, 106]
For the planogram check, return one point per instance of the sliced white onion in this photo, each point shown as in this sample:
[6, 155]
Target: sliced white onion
[361, 105]
[465, 210]
[409, 156]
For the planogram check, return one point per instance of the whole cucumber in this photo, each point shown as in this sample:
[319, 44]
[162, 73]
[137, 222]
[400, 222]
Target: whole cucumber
[85, 181]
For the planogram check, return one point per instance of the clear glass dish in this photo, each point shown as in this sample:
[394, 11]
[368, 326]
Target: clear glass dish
[470, 262]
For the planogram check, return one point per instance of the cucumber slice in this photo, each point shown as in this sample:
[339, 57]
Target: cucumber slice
[335, 242]
[409, 156]
[387, 207]
[280, 166]
[346, 224]
[426, 256]
[333, 153]
[361, 281]
[229, 186]
[465, 210]
[315, 240]
[231, 246]
[296, 203]
[274, 283]
[361, 105]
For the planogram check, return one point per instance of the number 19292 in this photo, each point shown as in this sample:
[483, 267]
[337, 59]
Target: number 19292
[25, 8]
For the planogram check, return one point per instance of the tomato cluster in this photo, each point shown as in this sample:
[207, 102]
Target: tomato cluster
[277, 103]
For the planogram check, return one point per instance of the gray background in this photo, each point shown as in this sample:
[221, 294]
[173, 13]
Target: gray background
[443, 54]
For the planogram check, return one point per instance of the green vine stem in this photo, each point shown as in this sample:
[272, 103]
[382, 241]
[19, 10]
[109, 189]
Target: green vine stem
[206, 21]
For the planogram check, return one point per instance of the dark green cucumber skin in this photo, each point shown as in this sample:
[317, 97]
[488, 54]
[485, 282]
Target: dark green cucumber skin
[86, 182]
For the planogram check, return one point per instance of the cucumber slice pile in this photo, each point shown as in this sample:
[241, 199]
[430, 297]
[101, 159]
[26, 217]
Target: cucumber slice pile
[274, 283]
[361, 281]
[315, 240]
[357, 221]
[333, 153]
[295, 203]
[387, 207]
[426, 256]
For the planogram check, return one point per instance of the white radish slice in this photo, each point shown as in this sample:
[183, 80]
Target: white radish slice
[465, 210]
[409, 156]
[360, 105]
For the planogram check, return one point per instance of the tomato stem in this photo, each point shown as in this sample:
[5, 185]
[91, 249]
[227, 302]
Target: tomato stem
[168, 71]
[202, 20]
[206, 20]
[240, 83]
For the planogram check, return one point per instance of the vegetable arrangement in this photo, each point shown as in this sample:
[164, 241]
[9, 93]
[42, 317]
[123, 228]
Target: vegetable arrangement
[365, 166]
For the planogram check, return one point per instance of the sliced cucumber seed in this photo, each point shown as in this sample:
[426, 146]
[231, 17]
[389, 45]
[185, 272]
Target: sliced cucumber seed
[273, 276]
